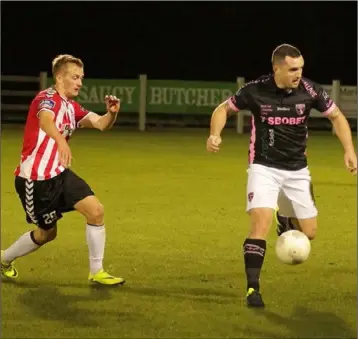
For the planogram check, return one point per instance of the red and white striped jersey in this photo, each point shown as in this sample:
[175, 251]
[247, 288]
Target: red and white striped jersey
[39, 157]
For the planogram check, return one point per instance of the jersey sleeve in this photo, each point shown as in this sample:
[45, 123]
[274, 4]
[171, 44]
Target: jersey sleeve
[47, 103]
[240, 100]
[80, 112]
[322, 101]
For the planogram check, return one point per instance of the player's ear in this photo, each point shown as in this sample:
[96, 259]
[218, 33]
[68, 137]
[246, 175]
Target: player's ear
[57, 77]
[274, 66]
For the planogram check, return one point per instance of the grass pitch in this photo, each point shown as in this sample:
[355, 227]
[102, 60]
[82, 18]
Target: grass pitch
[176, 221]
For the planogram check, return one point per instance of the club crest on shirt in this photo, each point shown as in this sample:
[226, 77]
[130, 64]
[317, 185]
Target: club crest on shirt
[300, 108]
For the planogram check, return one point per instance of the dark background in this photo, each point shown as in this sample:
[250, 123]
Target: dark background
[180, 40]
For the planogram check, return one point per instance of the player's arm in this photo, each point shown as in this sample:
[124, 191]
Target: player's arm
[100, 122]
[234, 104]
[344, 134]
[219, 117]
[342, 128]
[47, 124]
[104, 122]
[328, 108]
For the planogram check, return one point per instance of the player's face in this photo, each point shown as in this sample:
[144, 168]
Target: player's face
[290, 72]
[71, 80]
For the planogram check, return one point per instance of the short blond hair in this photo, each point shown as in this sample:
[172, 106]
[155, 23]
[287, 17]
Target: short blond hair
[62, 60]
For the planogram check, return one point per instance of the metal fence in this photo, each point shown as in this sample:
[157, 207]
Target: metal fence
[146, 102]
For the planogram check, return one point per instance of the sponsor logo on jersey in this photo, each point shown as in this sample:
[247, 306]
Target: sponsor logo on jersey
[265, 109]
[286, 120]
[47, 103]
[66, 129]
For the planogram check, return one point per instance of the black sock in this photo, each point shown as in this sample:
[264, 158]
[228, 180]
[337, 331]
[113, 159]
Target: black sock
[254, 254]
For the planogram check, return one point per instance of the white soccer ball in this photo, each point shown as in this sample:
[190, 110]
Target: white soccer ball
[293, 247]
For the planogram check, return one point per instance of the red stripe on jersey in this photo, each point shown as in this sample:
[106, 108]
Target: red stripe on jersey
[41, 153]
[50, 162]
[38, 157]
[17, 170]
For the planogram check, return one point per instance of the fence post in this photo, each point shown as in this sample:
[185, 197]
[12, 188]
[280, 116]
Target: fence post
[43, 80]
[142, 101]
[240, 115]
[335, 96]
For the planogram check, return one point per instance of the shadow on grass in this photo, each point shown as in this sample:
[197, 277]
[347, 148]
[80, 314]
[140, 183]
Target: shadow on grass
[332, 183]
[49, 303]
[204, 295]
[306, 323]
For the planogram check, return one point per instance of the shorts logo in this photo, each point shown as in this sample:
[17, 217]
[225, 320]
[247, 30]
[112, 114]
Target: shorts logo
[29, 201]
[47, 103]
[300, 108]
[250, 196]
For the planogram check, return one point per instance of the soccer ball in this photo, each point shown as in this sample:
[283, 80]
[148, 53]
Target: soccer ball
[293, 247]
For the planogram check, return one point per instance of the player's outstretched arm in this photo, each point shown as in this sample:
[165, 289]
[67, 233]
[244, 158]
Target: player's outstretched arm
[104, 122]
[343, 132]
[48, 125]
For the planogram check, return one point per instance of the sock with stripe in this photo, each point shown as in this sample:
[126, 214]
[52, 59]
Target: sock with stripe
[96, 239]
[254, 254]
[26, 244]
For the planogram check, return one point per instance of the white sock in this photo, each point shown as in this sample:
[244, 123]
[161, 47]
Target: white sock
[96, 239]
[21, 247]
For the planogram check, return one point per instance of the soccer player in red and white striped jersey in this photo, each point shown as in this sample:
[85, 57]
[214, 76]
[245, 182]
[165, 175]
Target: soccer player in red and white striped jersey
[44, 182]
[40, 153]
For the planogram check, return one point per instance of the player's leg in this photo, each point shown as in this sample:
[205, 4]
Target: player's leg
[262, 192]
[285, 215]
[79, 196]
[298, 192]
[29, 242]
[35, 201]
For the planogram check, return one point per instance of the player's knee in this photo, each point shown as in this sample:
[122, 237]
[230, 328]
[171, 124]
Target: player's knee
[311, 234]
[42, 236]
[309, 227]
[96, 215]
[261, 219]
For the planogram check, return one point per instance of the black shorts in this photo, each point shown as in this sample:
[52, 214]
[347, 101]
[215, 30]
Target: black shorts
[44, 201]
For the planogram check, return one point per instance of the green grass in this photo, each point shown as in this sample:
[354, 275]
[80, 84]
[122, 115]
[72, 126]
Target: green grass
[175, 218]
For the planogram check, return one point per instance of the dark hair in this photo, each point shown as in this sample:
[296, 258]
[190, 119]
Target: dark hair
[284, 50]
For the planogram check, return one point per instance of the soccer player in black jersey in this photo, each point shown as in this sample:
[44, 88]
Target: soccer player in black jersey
[278, 175]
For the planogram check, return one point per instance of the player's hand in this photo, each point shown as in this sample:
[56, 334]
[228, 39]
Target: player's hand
[350, 160]
[213, 143]
[113, 104]
[64, 153]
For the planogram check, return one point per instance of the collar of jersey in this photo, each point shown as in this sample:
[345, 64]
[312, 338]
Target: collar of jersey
[276, 89]
[59, 94]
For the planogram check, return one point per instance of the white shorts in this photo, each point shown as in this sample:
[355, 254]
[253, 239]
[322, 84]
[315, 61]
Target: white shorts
[291, 191]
